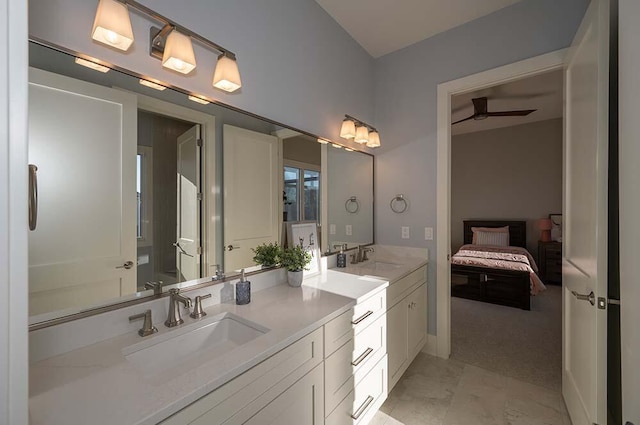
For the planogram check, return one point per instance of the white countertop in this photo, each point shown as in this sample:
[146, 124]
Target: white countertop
[98, 385]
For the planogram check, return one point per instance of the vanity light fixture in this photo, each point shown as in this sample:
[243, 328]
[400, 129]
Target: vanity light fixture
[360, 131]
[199, 100]
[348, 149]
[337, 146]
[92, 65]
[322, 141]
[172, 43]
[152, 85]
[112, 25]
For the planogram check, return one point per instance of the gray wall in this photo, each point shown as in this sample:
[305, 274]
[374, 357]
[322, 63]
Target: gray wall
[298, 66]
[406, 83]
[507, 173]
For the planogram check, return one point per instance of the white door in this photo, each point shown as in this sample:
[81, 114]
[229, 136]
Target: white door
[82, 138]
[629, 172]
[584, 352]
[188, 251]
[251, 194]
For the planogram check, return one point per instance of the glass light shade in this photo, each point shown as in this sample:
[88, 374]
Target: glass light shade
[178, 53]
[348, 130]
[92, 65]
[152, 85]
[374, 140]
[112, 25]
[199, 100]
[337, 146]
[227, 75]
[362, 134]
[322, 141]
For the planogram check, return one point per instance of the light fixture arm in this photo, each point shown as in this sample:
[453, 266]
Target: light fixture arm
[169, 25]
[360, 123]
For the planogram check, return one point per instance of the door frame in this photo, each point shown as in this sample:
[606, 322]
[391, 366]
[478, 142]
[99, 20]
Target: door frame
[526, 68]
[209, 215]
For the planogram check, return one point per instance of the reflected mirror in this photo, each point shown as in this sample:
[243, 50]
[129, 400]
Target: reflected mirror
[139, 189]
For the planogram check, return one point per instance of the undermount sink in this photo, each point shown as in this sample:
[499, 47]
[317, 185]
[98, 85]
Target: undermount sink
[380, 265]
[200, 341]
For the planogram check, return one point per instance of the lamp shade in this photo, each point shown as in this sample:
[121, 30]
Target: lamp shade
[362, 134]
[544, 224]
[112, 25]
[227, 75]
[348, 130]
[178, 53]
[374, 139]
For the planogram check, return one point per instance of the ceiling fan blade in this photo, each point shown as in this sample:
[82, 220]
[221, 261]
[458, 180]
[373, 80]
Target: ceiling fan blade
[522, 113]
[466, 119]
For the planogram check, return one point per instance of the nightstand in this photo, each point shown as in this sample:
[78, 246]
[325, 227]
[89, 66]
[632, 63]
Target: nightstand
[550, 262]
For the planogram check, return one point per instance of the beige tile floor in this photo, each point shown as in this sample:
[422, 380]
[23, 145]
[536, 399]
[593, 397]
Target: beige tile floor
[448, 392]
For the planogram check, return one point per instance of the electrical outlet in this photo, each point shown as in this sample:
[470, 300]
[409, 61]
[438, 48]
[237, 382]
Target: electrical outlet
[332, 229]
[349, 230]
[405, 232]
[428, 233]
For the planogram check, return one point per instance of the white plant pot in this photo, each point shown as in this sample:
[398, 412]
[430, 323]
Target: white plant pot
[295, 278]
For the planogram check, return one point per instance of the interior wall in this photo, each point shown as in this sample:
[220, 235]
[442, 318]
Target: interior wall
[406, 111]
[298, 66]
[507, 173]
[301, 149]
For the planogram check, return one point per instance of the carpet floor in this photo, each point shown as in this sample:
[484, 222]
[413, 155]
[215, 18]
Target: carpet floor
[525, 345]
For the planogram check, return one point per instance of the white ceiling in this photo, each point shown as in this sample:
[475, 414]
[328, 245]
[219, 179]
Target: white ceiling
[542, 92]
[383, 26]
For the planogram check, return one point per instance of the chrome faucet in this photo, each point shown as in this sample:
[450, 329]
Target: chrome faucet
[175, 299]
[147, 328]
[364, 253]
[156, 286]
[219, 273]
[361, 255]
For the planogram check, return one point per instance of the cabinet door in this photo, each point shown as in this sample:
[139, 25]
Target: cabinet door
[301, 404]
[417, 321]
[397, 338]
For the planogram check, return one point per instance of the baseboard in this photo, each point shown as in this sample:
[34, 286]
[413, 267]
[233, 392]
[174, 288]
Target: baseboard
[431, 346]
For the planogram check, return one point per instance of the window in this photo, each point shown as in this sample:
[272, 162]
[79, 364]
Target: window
[301, 195]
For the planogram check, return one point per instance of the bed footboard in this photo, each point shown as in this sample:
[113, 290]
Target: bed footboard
[505, 287]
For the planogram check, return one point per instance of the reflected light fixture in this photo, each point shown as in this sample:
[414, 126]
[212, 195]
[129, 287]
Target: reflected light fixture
[322, 141]
[360, 131]
[337, 146]
[199, 100]
[226, 75]
[112, 25]
[92, 65]
[348, 149]
[152, 85]
[178, 53]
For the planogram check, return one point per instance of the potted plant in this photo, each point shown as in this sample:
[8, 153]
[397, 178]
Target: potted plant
[295, 261]
[267, 254]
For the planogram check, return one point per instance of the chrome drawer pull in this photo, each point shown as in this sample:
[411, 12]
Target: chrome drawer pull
[362, 356]
[361, 318]
[362, 408]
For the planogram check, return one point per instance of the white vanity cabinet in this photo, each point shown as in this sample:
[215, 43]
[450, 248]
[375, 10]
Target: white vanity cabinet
[406, 321]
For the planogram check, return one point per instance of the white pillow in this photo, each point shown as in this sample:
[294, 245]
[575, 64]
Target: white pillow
[491, 238]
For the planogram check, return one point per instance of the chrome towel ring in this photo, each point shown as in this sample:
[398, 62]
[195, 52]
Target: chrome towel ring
[352, 206]
[398, 204]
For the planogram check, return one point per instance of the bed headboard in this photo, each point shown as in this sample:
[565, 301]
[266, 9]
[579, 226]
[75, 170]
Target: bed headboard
[517, 230]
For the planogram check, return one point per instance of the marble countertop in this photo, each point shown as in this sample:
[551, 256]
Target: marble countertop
[386, 263]
[98, 385]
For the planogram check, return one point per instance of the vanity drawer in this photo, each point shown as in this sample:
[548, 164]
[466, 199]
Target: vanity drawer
[351, 362]
[341, 329]
[397, 290]
[239, 399]
[361, 404]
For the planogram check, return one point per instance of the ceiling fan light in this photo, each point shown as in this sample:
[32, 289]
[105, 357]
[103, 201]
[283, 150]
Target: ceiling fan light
[178, 53]
[374, 139]
[362, 135]
[112, 25]
[227, 75]
[348, 130]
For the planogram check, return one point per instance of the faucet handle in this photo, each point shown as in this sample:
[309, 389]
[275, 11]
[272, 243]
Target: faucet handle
[219, 272]
[147, 327]
[198, 312]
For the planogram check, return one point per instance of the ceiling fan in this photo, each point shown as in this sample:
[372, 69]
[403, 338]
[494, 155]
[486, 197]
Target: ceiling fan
[481, 112]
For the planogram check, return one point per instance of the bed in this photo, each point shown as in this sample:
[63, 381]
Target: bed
[498, 275]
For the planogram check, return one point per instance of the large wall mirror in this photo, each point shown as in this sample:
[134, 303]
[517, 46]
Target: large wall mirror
[137, 185]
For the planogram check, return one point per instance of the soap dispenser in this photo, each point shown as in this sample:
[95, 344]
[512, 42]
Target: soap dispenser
[342, 257]
[243, 290]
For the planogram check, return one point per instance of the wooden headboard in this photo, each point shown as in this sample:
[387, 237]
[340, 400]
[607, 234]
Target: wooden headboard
[517, 230]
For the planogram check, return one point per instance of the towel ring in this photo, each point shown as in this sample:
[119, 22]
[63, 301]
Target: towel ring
[352, 206]
[398, 198]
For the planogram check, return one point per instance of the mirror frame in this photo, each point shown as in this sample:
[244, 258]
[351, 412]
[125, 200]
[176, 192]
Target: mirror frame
[141, 297]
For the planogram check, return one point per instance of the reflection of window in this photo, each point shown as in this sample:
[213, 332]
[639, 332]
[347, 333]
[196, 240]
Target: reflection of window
[301, 192]
[144, 191]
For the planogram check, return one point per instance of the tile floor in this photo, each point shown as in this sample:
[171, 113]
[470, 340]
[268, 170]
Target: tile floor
[448, 392]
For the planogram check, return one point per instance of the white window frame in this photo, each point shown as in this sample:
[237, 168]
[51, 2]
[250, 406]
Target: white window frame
[304, 166]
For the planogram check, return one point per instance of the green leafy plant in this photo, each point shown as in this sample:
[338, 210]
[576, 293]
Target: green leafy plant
[295, 259]
[267, 254]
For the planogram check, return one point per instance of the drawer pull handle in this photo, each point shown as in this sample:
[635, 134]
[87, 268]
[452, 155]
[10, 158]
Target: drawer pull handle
[356, 415]
[361, 318]
[362, 356]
